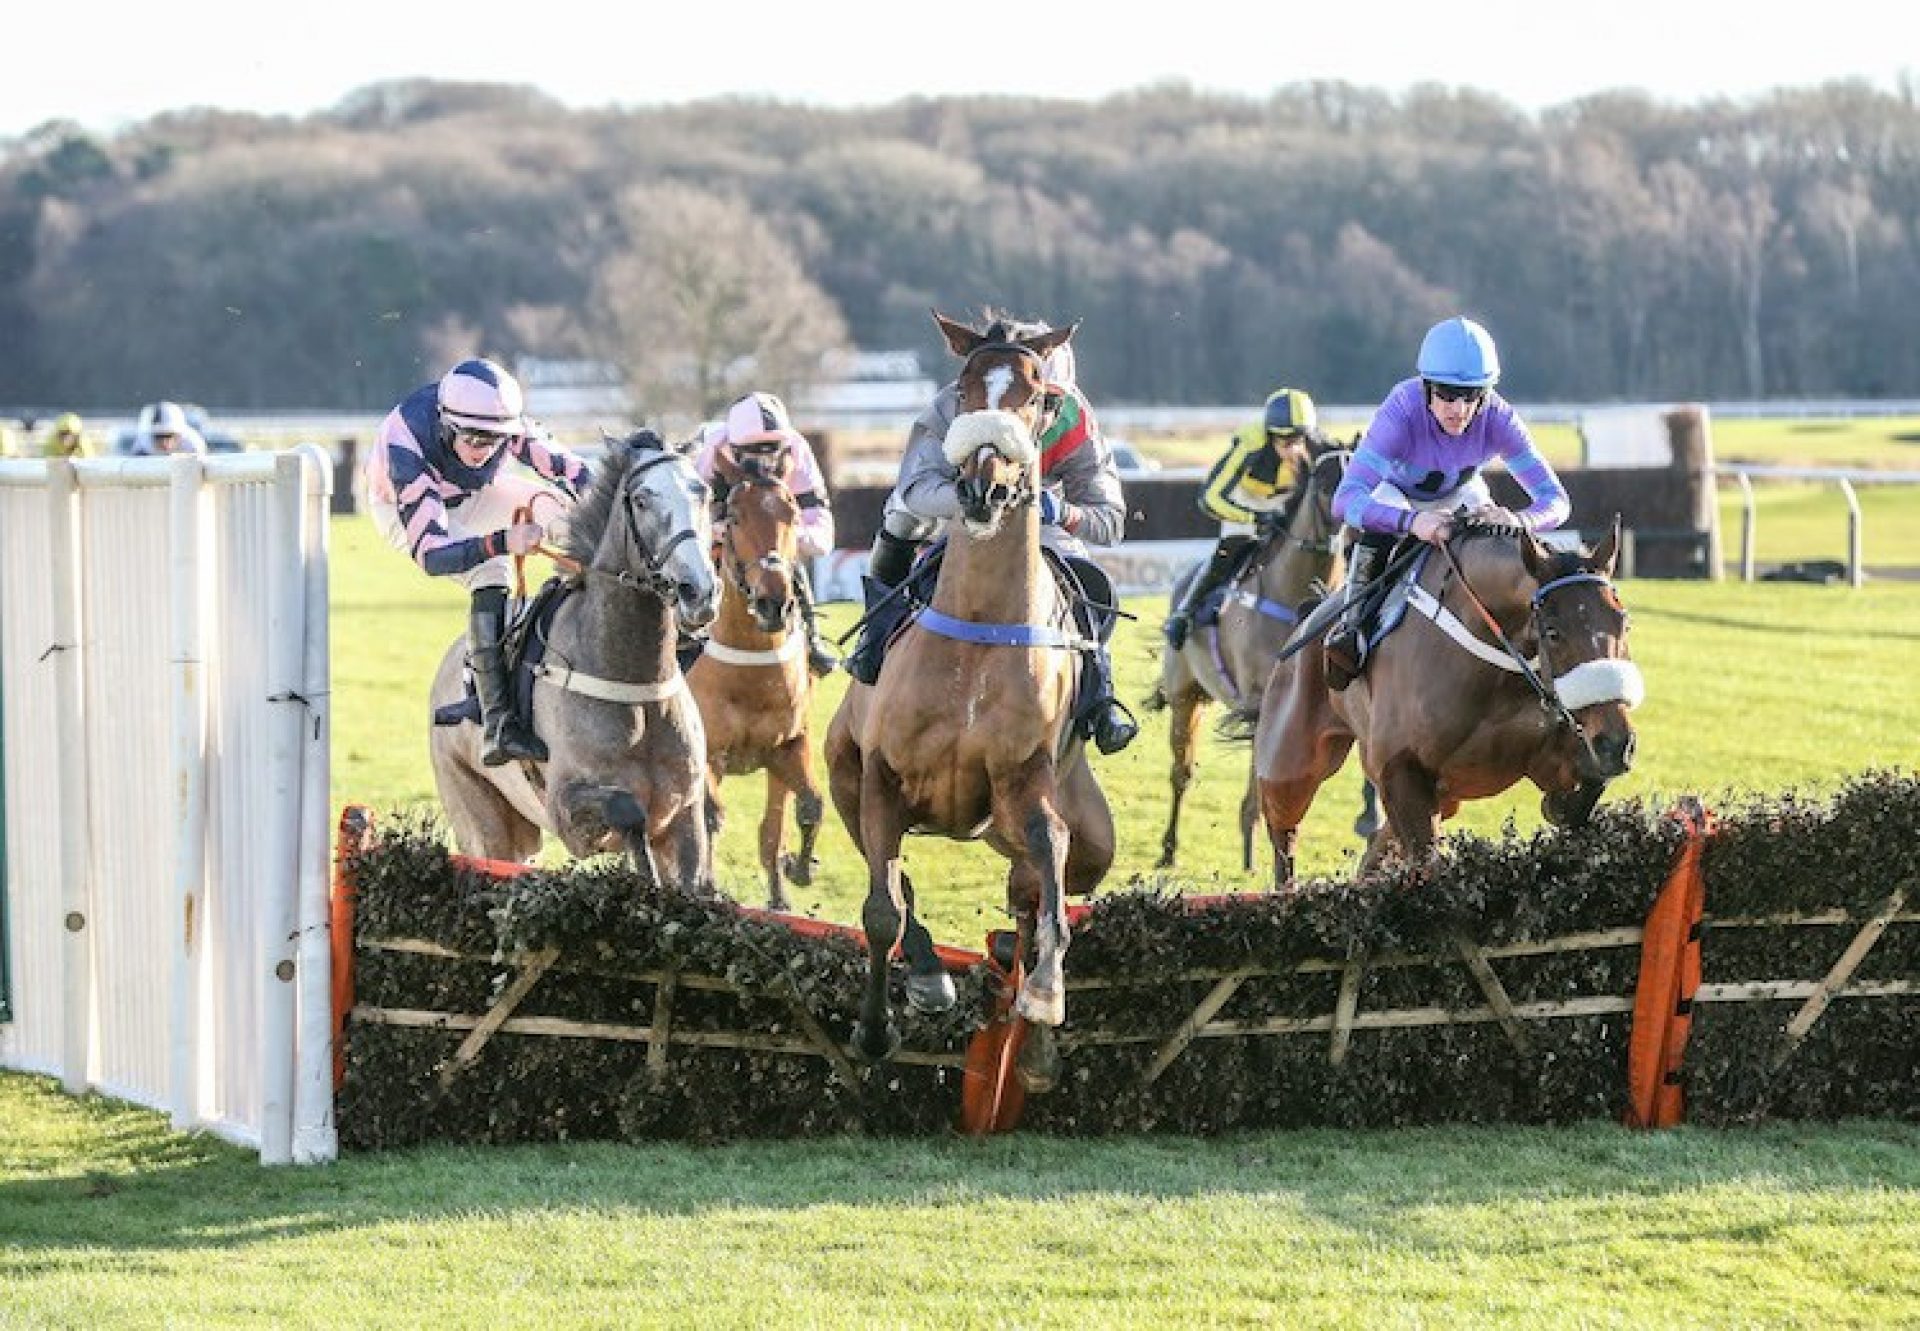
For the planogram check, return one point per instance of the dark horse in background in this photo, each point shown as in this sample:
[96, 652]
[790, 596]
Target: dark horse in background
[751, 678]
[968, 730]
[1511, 663]
[628, 764]
[1297, 555]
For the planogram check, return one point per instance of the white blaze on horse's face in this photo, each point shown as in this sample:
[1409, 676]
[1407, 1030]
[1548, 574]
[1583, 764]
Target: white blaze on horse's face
[997, 381]
[675, 502]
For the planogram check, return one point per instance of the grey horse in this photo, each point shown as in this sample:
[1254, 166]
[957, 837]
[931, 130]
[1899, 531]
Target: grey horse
[628, 764]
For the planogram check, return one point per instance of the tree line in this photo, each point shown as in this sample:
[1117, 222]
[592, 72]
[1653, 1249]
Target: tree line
[1215, 246]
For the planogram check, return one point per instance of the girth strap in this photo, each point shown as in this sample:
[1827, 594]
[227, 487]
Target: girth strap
[608, 690]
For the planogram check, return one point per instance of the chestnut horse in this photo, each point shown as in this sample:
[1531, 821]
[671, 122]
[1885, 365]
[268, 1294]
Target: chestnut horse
[751, 679]
[1511, 662]
[1299, 549]
[967, 732]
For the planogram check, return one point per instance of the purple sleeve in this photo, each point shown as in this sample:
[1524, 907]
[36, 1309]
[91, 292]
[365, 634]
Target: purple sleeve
[1353, 501]
[1548, 505]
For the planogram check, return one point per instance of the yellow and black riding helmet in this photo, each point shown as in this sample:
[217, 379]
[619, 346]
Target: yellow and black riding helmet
[1290, 414]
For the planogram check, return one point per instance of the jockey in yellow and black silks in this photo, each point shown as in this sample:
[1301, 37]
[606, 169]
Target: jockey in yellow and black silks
[1251, 480]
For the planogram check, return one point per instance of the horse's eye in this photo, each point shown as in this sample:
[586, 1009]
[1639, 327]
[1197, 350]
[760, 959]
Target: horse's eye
[1551, 633]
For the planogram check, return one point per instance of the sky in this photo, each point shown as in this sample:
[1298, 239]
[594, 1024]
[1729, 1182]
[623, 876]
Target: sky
[103, 67]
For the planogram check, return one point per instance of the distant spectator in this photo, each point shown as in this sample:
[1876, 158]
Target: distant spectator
[163, 430]
[69, 438]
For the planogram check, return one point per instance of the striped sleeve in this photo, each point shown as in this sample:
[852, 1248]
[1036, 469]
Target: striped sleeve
[537, 449]
[1354, 504]
[1216, 495]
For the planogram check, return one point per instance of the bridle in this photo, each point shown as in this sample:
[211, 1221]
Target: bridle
[1050, 403]
[655, 579]
[738, 565]
[1543, 689]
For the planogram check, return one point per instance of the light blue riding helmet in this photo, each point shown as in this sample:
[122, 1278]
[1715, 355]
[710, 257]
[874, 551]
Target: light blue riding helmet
[1459, 351]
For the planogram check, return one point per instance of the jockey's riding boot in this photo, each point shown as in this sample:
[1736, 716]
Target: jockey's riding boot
[1345, 649]
[891, 558]
[820, 657]
[506, 738]
[1107, 722]
[1221, 567]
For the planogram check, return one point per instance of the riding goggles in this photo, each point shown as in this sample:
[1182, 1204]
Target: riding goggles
[1455, 392]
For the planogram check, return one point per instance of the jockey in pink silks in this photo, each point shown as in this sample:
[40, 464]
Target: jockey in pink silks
[755, 433]
[438, 495]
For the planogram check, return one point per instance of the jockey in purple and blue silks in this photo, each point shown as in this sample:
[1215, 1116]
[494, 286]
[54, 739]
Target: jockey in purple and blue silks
[1420, 462]
[438, 495]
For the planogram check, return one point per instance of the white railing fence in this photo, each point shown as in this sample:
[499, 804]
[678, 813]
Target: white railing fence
[163, 636]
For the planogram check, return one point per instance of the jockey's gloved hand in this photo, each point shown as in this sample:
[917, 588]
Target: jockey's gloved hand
[1053, 509]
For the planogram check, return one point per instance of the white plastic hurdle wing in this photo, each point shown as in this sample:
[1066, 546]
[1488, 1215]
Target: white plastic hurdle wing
[164, 648]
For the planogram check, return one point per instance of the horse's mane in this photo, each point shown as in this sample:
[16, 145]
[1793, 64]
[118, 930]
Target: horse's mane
[1561, 563]
[587, 524]
[1297, 495]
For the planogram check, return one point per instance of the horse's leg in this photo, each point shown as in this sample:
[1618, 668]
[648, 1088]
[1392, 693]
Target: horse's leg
[929, 987]
[1090, 833]
[1368, 820]
[628, 816]
[715, 812]
[483, 820]
[1249, 814]
[1027, 812]
[793, 763]
[773, 829]
[882, 826]
[1183, 736]
[1411, 795]
[686, 850]
[1289, 790]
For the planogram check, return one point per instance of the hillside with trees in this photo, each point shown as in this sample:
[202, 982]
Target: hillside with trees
[1620, 247]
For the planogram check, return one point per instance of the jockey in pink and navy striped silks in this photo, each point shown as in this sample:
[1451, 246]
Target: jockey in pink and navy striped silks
[448, 516]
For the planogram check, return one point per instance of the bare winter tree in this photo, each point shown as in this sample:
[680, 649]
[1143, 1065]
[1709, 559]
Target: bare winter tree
[704, 302]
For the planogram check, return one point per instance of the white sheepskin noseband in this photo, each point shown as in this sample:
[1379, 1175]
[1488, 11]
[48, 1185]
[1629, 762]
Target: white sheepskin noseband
[1601, 681]
[1002, 431]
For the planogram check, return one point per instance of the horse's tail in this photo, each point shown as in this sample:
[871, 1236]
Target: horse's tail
[1239, 723]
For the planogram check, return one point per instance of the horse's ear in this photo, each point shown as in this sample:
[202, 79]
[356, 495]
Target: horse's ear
[1047, 343]
[961, 340]
[727, 466]
[1535, 555]
[1604, 554]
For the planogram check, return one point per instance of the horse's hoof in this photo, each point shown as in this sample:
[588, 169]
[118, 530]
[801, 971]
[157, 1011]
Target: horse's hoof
[799, 871]
[1042, 1007]
[1038, 1066]
[1165, 861]
[931, 993]
[872, 1050]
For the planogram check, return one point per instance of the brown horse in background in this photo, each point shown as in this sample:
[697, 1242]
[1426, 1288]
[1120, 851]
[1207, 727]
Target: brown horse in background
[1453, 706]
[751, 680]
[967, 738]
[1298, 554]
